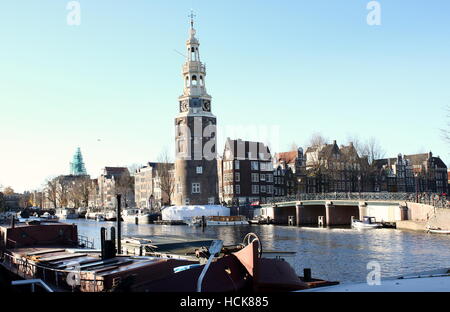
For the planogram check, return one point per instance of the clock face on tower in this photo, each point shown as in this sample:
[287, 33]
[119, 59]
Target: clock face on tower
[184, 106]
[206, 106]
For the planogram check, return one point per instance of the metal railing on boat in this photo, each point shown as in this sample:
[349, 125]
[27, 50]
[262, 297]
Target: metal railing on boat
[33, 283]
[29, 271]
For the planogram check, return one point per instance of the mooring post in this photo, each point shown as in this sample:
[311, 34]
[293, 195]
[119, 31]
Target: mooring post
[119, 224]
[102, 241]
[203, 223]
[298, 213]
[113, 238]
[306, 275]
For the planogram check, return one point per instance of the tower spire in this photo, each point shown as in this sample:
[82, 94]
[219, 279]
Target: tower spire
[192, 15]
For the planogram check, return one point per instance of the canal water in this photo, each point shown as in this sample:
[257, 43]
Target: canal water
[339, 254]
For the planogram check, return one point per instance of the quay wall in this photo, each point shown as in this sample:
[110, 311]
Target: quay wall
[424, 215]
[411, 225]
[382, 213]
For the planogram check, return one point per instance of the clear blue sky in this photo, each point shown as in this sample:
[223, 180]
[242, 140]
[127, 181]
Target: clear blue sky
[296, 66]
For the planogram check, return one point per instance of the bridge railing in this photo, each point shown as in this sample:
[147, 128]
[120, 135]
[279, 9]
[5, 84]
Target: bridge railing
[423, 198]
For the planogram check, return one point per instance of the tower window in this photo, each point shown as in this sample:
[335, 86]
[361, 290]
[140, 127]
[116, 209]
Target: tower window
[195, 188]
[187, 81]
[201, 80]
[194, 80]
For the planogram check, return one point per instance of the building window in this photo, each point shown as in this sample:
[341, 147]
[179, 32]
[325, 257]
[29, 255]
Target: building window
[263, 188]
[195, 188]
[211, 200]
[238, 189]
[269, 178]
[238, 177]
[255, 189]
[263, 177]
[255, 177]
[236, 165]
[199, 169]
[254, 165]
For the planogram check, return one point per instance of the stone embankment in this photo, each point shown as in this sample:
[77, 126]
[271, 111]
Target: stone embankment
[420, 216]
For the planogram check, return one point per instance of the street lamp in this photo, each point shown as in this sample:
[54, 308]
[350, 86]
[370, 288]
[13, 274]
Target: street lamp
[359, 185]
[416, 175]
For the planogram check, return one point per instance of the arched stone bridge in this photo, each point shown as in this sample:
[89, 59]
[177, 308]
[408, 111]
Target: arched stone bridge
[337, 209]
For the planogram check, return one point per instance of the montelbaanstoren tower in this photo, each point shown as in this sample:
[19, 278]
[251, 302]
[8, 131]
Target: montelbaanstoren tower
[195, 134]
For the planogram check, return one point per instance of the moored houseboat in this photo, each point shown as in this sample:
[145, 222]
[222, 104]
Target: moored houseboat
[66, 213]
[52, 254]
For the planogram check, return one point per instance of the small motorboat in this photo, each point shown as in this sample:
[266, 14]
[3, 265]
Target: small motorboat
[99, 217]
[218, 220]
[111, 216]
[437, 230]
[366, 223]
[48, 216]
[223, 220]
[66, 213]
[137, 216]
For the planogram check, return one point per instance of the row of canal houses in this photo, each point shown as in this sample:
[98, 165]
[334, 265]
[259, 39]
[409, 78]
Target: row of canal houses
[248, 172]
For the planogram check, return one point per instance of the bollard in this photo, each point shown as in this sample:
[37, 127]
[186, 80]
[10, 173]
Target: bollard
[102, 241]
[113, 238]
[320, 221]
[307, 275]
[290, 220]
[136, 220]
[203, 223]
[119, 224]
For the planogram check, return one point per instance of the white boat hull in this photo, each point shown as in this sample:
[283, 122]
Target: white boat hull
[144, 219]
[209, 222]
[360, 225]
[439, 231]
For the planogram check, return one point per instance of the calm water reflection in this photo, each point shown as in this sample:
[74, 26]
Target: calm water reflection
[334, 254]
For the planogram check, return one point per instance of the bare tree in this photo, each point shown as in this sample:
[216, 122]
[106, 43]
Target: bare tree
[8, 190]
[446, 131]
[52, 191]
[2, 203]
[166, 176]
[372, 149]
[25, 200]
[317, 139]
[63, 189]
[294, 146]
[124, 185]
[357, 143]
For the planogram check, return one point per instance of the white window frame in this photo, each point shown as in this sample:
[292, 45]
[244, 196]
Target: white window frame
[195, 188]
[199, 170]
